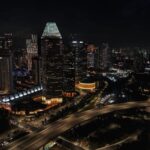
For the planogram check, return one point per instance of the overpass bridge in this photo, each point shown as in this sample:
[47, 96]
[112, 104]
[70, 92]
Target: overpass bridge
[68, 144]
[36, 140]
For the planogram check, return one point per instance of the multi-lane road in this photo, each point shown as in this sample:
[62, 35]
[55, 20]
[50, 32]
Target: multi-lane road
[36, 140]
[131, 138]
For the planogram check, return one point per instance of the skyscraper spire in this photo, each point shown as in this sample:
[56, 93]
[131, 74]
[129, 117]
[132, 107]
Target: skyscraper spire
[51, 30]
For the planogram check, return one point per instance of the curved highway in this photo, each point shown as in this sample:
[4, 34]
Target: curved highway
[132, 137]
[36, 140]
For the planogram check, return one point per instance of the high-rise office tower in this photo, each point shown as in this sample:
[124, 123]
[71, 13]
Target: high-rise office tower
[138, 61]
[32, 49]
[6, 79]
[92, 57]
[36, 66]
[68, 72]
[6, 55]
[6, 41]
[105, 56]
[78, 47]
[97, 59]
[52, 61]
[89, 80]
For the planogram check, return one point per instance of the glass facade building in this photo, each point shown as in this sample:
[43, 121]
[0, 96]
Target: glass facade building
[6, 64]
[32, 50]
[68, 71]
[77, 47]
[52, 61]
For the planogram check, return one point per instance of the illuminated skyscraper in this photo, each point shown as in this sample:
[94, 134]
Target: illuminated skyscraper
[91, 56]
[32, 49]
[6, 80]
[52, 61]
[105, 56]
[36, 66]
[6, 41]
[6, 77]
[77, 47]
[68, 72]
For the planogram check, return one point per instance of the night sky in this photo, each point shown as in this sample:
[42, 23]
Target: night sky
[119, 22]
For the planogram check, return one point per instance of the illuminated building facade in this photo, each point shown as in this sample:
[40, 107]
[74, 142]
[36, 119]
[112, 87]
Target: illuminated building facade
[78, 47]
[105, 56]
[90, 60]
[68, 72]
[52, 61]
[6, 41]
[87, 84]
[93, 58]
[32, 49]
[6, 80]
[36, 66]
[6, 62]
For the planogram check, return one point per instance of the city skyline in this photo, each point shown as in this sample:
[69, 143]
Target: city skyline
[75, 75]
[115, 22]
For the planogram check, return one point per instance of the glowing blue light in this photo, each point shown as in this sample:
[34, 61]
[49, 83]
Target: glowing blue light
[6, 99]
[111, 101]
[74, 42]
[20, 95]
[24, 93]
[32, 91]
[28, 92]
[16, 96]
[12, 98]
[39, 88]
[3, 99]
[35, 90]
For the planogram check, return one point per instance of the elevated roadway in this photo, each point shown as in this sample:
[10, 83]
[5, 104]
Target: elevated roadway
[36, 140]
